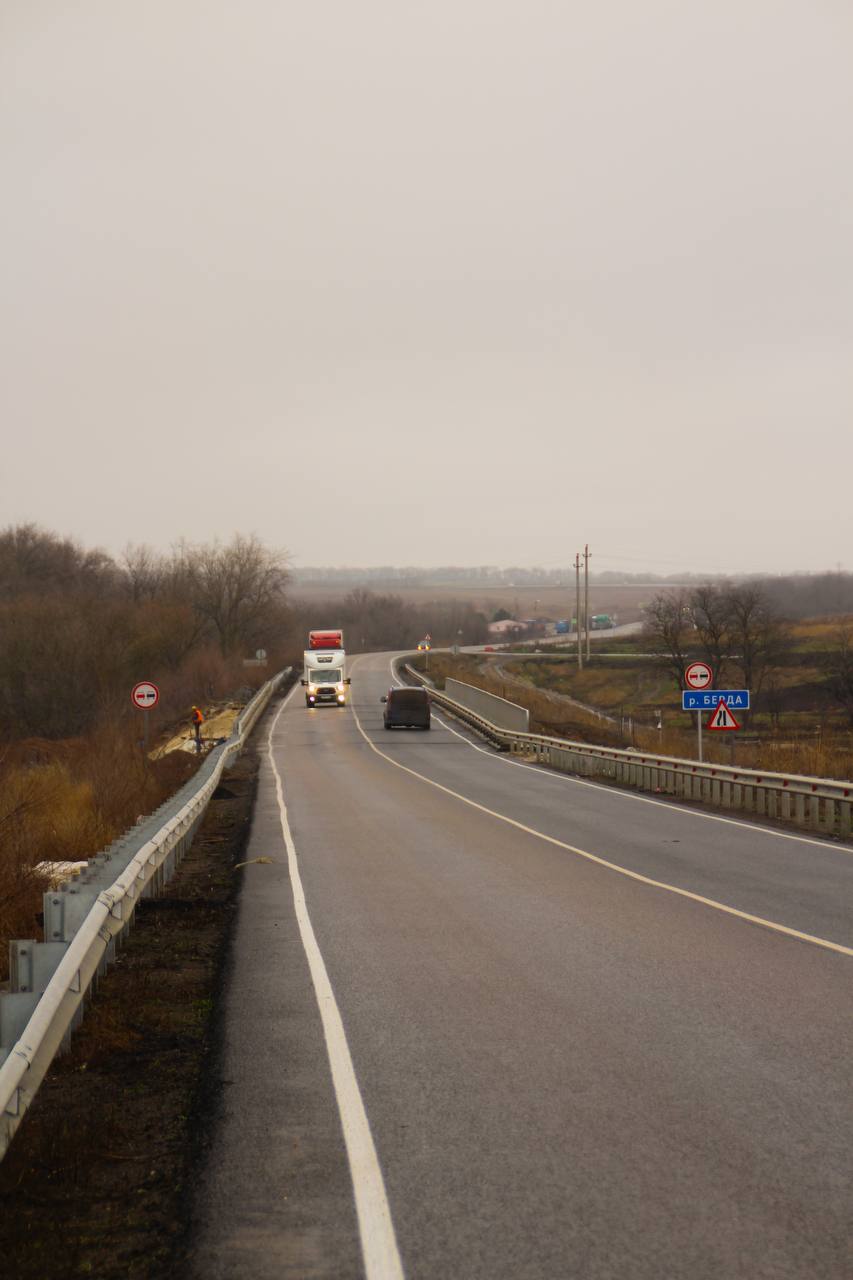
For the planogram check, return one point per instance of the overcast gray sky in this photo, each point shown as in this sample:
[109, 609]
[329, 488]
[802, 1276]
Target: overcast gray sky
[473, 281]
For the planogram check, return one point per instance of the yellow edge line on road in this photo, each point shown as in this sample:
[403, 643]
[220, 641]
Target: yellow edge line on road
[611, 866]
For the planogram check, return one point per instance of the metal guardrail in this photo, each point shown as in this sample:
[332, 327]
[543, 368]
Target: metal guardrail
[490, 705]
[813, 804]
[49, 980]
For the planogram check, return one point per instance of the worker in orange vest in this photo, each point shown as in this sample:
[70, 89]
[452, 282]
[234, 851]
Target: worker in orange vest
[198, 721]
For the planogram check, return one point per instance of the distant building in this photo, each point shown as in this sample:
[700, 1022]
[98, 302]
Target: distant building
[506, 627]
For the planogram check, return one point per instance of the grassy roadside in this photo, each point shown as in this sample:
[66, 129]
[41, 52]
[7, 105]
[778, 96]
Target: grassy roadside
[98, 1178]
[794, 728]
[62, 802]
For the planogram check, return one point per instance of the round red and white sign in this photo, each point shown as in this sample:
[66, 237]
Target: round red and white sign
[698, 675]
[145, 695]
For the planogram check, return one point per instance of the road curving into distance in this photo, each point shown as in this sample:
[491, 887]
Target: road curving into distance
[458, 1043]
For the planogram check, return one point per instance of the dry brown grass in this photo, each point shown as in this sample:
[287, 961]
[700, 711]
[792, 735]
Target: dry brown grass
[64, 799]
[810, 755]
[63, 802]
[819, 633]
[610, 688]
[547, 715]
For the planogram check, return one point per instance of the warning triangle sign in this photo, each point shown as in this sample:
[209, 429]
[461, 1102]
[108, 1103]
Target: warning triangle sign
[723, 718]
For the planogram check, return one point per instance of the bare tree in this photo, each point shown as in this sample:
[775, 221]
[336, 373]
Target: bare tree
[668, 628]
[144, 570]
[37, 562]
[756, 635]
[239, 589]
[710, 612]
[731, 626]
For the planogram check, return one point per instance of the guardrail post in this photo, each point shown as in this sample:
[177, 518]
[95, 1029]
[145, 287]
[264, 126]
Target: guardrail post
[16, 1009]
[32, 964]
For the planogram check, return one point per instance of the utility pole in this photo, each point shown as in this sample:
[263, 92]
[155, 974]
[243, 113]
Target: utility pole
[586, 595]
[578, 608]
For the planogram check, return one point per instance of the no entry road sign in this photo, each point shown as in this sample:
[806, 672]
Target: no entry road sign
[145, 695]
[708, 699]
[698, 675]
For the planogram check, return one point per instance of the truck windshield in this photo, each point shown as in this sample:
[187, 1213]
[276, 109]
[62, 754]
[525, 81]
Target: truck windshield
[325, 677]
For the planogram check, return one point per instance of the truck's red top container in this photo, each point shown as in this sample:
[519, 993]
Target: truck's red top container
[325, 639]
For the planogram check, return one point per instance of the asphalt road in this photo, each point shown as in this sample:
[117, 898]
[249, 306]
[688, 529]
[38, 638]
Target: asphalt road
[559, 1070]
[570, 637]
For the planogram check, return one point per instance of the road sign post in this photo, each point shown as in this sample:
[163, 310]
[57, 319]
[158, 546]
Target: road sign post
[700, 698]
[698, 676]
[145, 696]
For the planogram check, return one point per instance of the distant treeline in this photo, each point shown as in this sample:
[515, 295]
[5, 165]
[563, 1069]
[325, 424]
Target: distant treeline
[809, 595]
[464, 576]
[796, 595]
[78, 627]
[378, 620]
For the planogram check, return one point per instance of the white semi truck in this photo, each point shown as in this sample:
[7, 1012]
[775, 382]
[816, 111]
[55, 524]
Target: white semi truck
[324, 675]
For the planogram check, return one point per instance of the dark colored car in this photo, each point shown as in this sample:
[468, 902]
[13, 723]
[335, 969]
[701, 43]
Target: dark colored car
[407, 708]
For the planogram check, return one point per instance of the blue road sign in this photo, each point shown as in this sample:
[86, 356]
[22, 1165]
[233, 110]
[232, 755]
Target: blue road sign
[707, 699]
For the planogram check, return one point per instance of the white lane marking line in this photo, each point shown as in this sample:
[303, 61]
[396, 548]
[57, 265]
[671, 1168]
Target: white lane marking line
[376, 1228]
[611, 866]
[554, 776]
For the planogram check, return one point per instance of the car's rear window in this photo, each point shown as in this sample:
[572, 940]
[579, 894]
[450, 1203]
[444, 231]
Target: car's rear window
[406, 699]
